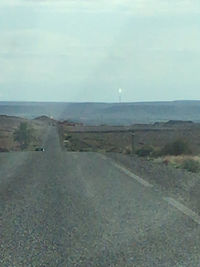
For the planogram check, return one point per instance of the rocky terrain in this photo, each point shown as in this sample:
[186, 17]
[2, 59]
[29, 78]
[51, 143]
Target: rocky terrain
[118, 138]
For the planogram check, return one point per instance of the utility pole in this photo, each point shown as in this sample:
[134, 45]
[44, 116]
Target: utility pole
[132, 143]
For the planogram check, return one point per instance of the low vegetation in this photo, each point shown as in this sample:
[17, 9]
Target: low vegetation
[188, 162]
[145, 151]
[177, 154]
[127, 150]
[191, 165]
[172, 143]
[178, 147]
[18, 134]
[24, 135]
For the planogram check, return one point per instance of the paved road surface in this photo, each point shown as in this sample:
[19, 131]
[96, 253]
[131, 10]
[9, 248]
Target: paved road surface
[78, 209]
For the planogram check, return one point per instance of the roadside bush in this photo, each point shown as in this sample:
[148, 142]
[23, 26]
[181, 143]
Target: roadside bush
[191, 165]
[67, 137]
[2, 149]
[127, 151]
[23, 135]
[156, 153]
[176, 148]
[145, 151]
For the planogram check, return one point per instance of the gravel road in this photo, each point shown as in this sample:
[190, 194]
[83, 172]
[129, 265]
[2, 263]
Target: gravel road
[77, 209]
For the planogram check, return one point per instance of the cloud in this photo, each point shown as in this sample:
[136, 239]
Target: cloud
[92, 51]
[35, 41]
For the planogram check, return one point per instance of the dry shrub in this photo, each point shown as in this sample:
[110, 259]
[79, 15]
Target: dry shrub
[156, 153]
[145, 151]
[191, 165]
[188, 162]
[127, 150]
[178, 147]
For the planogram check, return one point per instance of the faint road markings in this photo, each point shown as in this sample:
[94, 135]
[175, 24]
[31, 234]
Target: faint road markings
[195, 217]
[127, 172]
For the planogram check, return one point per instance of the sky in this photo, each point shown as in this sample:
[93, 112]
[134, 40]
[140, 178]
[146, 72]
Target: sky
[85, 50]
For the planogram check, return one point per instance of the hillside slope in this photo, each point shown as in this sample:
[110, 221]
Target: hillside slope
[106, 113]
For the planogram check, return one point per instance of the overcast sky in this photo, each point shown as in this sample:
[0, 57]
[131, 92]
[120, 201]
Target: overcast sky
[85, 50]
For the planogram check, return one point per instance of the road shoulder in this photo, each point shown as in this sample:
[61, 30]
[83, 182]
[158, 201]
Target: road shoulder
[175, 183]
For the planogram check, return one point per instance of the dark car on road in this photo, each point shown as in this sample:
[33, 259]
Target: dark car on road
[39, 149]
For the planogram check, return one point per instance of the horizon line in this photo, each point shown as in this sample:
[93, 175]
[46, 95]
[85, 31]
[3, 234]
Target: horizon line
[98, 102]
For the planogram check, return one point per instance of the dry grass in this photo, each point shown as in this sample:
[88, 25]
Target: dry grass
[177, 161]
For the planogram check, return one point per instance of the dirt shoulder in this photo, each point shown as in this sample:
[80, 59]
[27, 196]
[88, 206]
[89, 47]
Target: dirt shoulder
[177, 183]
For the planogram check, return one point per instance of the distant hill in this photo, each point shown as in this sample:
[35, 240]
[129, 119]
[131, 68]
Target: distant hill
[106, 113]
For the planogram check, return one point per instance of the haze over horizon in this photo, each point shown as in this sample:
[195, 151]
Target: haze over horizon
[99, 102]
[84, 51]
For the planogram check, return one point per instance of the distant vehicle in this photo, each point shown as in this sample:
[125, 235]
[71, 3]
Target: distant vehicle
[39, 149]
